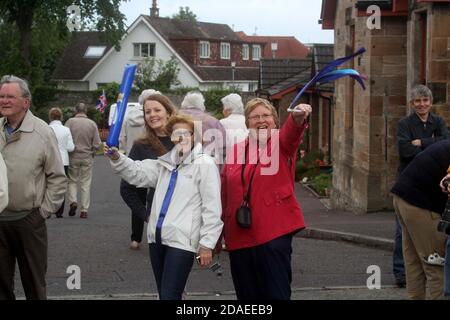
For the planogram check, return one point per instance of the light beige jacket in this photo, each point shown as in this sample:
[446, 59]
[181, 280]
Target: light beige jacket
[3, 185]
[36, 176]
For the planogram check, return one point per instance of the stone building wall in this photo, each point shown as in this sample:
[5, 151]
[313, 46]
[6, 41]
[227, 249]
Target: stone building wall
[364, 153]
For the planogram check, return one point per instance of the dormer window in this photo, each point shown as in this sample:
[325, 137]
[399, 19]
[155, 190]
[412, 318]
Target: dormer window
[94, 51]
[204, 49]
[225, 50]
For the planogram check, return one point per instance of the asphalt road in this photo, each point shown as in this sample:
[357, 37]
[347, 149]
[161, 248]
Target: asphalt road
[110, 270]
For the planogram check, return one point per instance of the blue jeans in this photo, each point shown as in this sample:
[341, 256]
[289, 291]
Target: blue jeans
[171, 268]
[447, 270]
[398, 262]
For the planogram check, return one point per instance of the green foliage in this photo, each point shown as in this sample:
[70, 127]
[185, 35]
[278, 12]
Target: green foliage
[308, 165]
[185, 13]
[43, 96]
[34, 34]
[321, 183]
[212, 100]
[157, 74]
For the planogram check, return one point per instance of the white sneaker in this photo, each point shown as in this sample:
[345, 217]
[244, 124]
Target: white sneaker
[434, 259]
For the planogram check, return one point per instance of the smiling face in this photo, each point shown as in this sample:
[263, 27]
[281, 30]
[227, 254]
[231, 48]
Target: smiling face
[260, 122]
[13, 105]
[183, 137]
[156, 116]
[421, 106]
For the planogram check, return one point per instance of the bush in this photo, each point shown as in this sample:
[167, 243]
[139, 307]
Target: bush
[321, 183]
[308, 164]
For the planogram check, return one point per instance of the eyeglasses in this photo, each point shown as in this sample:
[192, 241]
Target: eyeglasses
[262, 117]
[181, 133]
[9, 97]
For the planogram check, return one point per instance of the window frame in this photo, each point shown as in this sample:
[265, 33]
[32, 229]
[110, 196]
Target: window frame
[151, 46]
[254, 47]
[207, 46]
[225, 47]
[245, 48]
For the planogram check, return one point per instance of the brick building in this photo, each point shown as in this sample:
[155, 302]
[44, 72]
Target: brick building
[412, 46]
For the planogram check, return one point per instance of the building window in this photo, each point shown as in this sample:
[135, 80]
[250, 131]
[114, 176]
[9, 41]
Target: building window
[245, 52]
[94, 51]
[252, 87]
[204, 49]
[256, 52]
[143, 50]
[225, 51]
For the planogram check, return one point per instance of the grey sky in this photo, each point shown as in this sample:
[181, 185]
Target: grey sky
[297, 18]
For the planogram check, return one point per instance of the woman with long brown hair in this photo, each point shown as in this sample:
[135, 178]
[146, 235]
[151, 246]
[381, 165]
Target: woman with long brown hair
[155, 142]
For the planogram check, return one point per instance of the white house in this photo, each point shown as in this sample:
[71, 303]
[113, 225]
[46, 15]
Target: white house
[208, 55]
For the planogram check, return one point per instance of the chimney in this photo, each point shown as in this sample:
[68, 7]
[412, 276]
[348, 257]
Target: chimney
[154, 10]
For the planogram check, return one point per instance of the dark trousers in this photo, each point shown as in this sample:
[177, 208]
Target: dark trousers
[61, 210]
[398, 263]
[263, 272]
[137, 228]
[171, 267]
[24, 240]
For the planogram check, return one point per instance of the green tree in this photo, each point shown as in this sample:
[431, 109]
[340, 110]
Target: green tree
[185, 13]
[156, 74]
[40, 24]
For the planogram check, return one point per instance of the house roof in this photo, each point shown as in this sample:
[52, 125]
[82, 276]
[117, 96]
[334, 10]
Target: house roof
[286, 75]
[73, 65]
[275, 71]
[178, 29]
[209, 73]
[288, 47]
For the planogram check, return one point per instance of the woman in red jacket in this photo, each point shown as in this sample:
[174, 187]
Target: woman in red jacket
[260, 210]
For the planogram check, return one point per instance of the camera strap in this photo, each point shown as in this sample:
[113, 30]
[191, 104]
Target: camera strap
[246, 197]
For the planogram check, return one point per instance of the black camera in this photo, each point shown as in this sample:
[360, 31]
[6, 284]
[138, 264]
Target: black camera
[444, 223]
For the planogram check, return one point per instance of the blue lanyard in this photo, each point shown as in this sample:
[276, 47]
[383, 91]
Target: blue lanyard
[165, 205]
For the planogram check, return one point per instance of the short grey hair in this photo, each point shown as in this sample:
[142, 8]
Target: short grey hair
[193, 99]
[233, 102]
[80, 108]
[23, 84]
[421, 91]
[145, 94]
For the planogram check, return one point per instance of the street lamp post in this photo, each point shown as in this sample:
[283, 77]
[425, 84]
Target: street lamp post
[233, 67]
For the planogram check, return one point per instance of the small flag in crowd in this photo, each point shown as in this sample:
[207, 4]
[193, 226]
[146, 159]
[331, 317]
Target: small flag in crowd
[102, 103]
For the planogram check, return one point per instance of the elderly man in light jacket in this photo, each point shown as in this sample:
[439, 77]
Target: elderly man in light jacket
[3, 185]
[37, 184]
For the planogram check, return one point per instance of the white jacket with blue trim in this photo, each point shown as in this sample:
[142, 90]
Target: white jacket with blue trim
[193, 217]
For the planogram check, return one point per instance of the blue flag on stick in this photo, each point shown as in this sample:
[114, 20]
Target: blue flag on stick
[330, 73]
[122, 101]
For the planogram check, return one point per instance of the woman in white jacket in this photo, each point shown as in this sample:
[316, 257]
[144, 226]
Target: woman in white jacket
[3, 185]
[185, 219]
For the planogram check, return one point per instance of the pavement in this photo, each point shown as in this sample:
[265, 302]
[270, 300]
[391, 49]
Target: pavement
[330, 257]
[372, 229]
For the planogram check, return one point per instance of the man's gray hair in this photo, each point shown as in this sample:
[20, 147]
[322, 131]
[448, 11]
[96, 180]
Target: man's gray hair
[195, 100]
[233, 102]
[145, 94]
[23, 84]
[421, 91]
[80, 108]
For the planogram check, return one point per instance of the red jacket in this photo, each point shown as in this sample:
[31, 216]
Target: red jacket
[274, 207]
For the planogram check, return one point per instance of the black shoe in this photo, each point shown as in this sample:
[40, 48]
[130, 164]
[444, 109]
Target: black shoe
[59, 215]
[73, 209]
